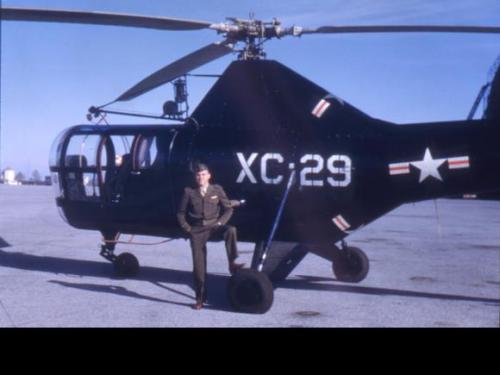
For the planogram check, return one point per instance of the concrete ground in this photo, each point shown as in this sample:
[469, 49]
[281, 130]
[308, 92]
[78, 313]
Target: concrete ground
[433, 264]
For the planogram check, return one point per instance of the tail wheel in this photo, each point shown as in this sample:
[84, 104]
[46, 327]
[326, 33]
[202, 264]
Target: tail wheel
[250, 291]
[352, 265]
[126, 265]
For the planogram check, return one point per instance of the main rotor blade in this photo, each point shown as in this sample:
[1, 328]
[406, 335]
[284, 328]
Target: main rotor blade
[401, 29]
[177, 68]
[100, 18]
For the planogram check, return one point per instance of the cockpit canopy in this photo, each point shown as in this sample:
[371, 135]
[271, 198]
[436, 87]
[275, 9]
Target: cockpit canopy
[87, 162]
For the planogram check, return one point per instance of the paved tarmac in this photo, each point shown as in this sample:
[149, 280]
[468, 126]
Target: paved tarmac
[433, 264]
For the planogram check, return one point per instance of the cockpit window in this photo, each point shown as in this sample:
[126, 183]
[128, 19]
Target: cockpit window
[80, 161]
[82, 151]
[122, 145]
[56, 149]
[145, 152]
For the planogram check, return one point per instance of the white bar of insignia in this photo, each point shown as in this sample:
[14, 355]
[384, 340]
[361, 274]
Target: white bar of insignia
[399, 168]
[341, 223]
[458, 162]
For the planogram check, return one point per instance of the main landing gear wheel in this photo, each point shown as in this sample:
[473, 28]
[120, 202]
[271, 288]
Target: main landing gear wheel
[352, 265]
[250, 291]
[126, 265]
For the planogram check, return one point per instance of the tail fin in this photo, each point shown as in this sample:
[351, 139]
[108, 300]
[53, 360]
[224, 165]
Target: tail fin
[492, 112]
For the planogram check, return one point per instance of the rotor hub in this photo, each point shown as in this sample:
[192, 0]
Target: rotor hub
[253, 33]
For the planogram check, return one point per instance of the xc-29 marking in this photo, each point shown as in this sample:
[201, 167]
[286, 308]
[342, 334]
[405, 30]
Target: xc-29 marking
[311, 166]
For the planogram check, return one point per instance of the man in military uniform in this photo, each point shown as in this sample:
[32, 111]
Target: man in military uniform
[199, 214]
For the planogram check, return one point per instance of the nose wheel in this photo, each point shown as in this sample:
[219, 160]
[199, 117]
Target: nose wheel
[250, 291]
[125, 264]
[350, 265]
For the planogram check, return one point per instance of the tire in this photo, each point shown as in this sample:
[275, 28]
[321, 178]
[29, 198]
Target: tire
[126, 265]
[250, 291]
[351, 266]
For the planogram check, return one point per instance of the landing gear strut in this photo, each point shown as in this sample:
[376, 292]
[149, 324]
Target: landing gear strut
[251, 290]
[125, 264]
[350, 264]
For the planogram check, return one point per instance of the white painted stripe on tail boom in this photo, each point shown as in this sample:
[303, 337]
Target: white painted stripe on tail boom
[320, 108]
[341, 223]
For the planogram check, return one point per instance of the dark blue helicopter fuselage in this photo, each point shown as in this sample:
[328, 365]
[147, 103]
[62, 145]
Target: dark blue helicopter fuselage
[259, 123]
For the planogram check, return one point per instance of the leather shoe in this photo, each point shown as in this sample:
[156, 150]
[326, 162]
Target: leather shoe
[234, 267]
[198, 305]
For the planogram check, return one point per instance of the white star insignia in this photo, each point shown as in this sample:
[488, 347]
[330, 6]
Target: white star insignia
[428, 166]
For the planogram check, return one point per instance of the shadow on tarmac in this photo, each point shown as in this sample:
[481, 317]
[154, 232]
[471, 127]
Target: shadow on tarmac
[214, 302]
[216, 293]
[216, 282]
[305, 282]
[113, 289]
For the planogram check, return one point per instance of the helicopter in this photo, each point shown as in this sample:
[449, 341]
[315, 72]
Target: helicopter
[309, 167]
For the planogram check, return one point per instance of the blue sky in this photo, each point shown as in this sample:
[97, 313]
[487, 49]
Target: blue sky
[52, 73]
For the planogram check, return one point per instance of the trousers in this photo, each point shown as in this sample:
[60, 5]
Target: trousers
[199, 236]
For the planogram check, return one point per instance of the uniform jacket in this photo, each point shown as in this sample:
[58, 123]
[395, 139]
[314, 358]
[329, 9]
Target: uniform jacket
[203, 211]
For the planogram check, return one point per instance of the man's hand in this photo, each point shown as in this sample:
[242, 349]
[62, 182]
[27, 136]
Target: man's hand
[237, 203]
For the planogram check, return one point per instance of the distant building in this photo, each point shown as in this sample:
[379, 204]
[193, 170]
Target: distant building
[9, 177]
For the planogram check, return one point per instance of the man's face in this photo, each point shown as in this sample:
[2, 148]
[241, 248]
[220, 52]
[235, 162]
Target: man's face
[203, 178]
